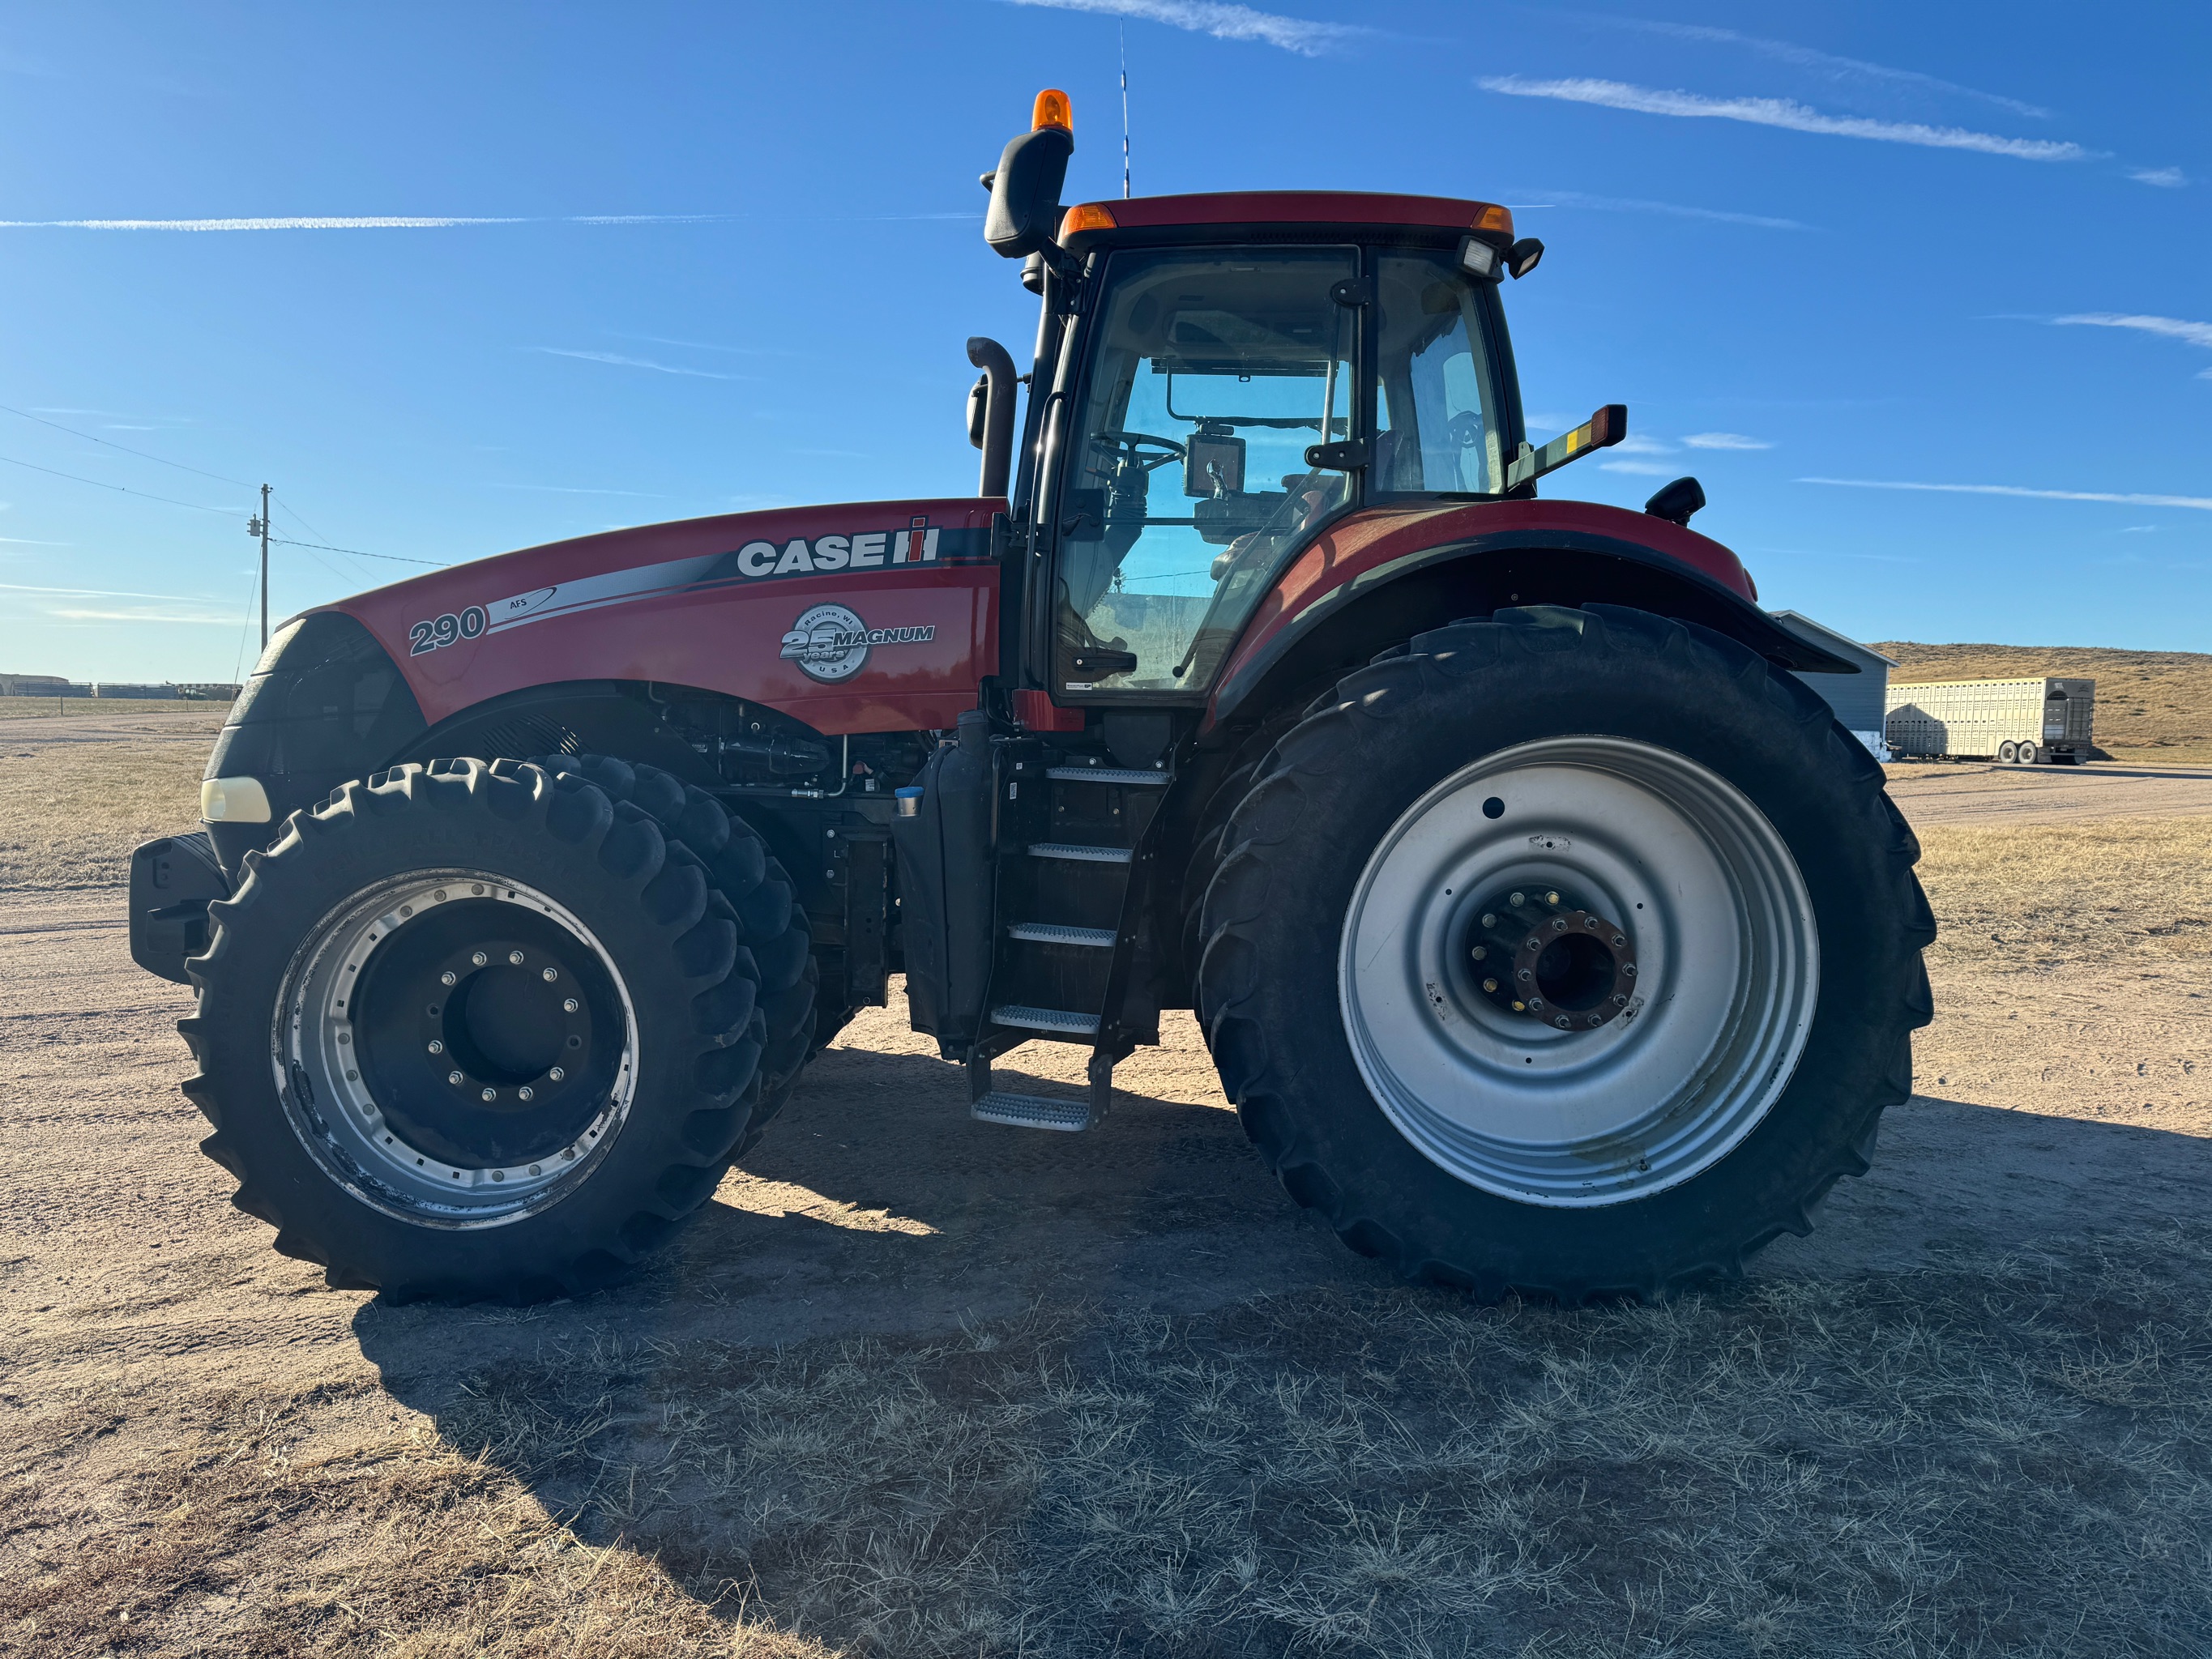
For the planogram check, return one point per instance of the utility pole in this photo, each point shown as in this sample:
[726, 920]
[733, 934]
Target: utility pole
[260, 527]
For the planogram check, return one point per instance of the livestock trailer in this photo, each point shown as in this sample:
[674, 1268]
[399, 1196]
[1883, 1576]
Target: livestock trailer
[2021, 722]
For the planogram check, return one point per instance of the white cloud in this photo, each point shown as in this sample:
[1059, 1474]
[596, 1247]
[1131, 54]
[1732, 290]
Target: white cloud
[1789, 52]
[101, 593]
[2172, 328]
[2200, 503]
[1222, 21]
[1779, 112]
[1725, 440]
[1653, 469]
[1573, 198]
[138, 614]
[2164, 178]
[245, 224]
[640, 362]
[1638, 443]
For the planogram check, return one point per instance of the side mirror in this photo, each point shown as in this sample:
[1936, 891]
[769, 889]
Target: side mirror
[1025, 210]
[1520, 258]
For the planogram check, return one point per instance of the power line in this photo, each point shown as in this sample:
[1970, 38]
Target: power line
[125, 448]
[435, 564]
[120, 489]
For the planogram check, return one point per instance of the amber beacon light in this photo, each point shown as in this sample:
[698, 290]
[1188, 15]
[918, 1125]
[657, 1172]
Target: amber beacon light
[1052, 111]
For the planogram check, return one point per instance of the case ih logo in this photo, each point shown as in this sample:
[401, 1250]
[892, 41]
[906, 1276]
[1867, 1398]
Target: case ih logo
[830, 643]
[921, 543]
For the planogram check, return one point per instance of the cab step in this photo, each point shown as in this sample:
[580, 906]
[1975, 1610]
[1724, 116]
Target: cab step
[1030, 1111]
[1045, 1019]
[1078, 852]
[1123, 775]
[1055, 932]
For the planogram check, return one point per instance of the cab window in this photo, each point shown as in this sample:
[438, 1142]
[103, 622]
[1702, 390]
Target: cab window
[1437, 425]
[1185, 485]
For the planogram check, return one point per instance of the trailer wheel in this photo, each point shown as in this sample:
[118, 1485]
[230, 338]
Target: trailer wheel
[1573, 952]
[2026, 755]
[472, 1031]
[2007, 752]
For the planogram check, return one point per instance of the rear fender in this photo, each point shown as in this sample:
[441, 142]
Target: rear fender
[1392, 600]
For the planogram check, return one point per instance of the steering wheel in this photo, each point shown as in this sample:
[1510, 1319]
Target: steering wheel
[1465, 429]
[1133, 446]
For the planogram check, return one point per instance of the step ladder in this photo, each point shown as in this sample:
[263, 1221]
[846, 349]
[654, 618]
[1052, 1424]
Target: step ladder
[1073, 838]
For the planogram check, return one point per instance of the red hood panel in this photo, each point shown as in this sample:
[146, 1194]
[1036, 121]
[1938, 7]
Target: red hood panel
[875, 616]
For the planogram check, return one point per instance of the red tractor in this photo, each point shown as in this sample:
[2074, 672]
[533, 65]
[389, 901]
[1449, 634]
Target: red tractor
[1547, 931]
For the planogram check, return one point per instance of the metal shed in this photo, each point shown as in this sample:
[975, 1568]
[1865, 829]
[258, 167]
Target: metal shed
[1860, 700]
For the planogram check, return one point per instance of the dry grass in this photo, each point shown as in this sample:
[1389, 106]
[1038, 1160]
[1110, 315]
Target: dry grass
[2012, 1459]
[71, 811]
[2049, 898]
[19, 708]
[2151, 705]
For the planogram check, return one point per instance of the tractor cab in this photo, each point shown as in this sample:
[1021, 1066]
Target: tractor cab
[1224, 376]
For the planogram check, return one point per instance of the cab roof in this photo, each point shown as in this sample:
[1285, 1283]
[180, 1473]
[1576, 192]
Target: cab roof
[1093, 223]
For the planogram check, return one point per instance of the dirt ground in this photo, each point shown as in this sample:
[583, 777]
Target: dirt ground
[914, 1385]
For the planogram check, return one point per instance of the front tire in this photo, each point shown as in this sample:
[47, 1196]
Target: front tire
[1700, 937]
[471, 1031]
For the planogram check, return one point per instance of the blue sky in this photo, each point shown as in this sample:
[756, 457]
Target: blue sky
[691, 258]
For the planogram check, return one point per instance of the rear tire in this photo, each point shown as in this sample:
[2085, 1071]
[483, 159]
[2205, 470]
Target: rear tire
[1468, 1144]
[421, 1113]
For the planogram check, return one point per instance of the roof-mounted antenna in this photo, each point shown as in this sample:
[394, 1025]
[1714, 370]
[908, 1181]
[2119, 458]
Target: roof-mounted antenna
[1122, 30]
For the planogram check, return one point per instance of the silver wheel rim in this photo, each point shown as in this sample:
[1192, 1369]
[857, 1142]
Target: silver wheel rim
[1722, 936]
[354, 1136]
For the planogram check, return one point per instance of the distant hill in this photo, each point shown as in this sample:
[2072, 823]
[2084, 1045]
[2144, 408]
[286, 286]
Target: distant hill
[2151, 705]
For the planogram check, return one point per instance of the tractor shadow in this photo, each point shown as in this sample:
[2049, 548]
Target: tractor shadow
[878, 1212]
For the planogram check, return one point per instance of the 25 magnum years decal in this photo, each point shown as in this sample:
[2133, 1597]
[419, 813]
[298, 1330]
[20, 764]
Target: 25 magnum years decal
[831, 643]
[919, 544]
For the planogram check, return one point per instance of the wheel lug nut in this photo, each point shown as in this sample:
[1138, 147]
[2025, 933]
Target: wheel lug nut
[569, 1007]
[1619, 999]
[479, 958]
[1480, 952]
[557, 1073]
[490, 1094]
[436, 1047]
[1490, 985]
[1551, 898]
[1518, 898]
[1628, 968]
[551, 974]
[1561, 1022]
[515, 958]
[449, 977]
[525, 1092]
[1489, 920]
[453, 1078]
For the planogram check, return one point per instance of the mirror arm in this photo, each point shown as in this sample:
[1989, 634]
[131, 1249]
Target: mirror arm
[1606, 427]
